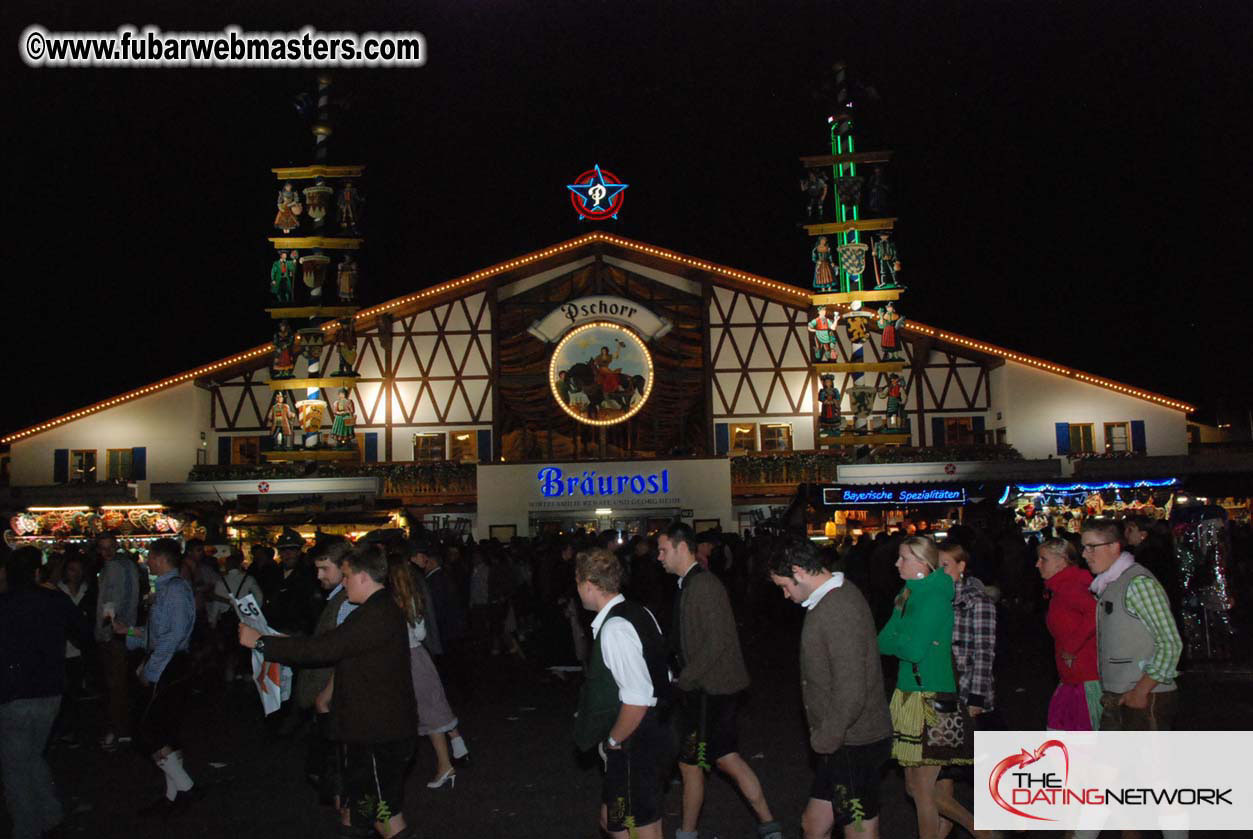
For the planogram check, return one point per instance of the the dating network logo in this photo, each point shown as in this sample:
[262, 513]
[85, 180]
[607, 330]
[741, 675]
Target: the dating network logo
[1028, 788]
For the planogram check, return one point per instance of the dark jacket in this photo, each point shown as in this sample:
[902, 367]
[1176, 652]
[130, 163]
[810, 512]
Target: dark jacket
[705, 639]
[373, 699]
[450, 616]
[35, 623]
[295, 605]
[310, 681]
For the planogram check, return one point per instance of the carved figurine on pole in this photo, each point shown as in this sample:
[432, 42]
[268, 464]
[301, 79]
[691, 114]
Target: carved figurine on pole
[814, 185]
[318, 202]
[346, 348]
[824, 268]
[349, 205]
[284, 364]
[280, 422]
[886, 263]
[829, 419]
[282, 276]
[823, 328]
[344, 420]
[890, 322]
[346, 279]
[288, 209]
[895, 392]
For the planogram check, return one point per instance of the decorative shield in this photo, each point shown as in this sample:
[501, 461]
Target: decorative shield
[861, 399]
[857, 325]
[311, 342]
[311, 413]
[853, 258]
[314, 268]
[849, 189]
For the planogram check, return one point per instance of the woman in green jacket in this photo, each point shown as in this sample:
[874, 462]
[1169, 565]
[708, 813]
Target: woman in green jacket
[920, 635]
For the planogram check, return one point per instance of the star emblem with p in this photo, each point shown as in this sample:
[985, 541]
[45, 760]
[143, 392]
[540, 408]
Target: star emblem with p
[597, 194]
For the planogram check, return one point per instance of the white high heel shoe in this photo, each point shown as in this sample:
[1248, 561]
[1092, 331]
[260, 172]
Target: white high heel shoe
[449, 777]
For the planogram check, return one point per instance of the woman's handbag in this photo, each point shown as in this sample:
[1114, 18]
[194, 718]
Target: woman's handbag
[946, 728]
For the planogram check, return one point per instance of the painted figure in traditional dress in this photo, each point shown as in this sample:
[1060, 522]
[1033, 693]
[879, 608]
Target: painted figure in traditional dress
[318, 202]
[824, 268]
[879, 197]
[288, 208]
[814, 185]
[823, 328]
[895, 392]
[284, 366]
[344, 420]
[282, 276]
[349, 204]
[890, 322]
[829, 419]
[606, 376]
[346, 279]
[346, 348]
[886, 263]
[280, 422]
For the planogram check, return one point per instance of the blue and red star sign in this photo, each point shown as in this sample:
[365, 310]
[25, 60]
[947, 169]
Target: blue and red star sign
[597, 194]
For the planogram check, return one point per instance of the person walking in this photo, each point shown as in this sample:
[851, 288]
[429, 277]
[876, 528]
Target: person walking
[1071, 620]
[446, 608]
[35, 625]
[842, 686]
[710, 676]
[165, 674]
[623, 695]
[118, 599]
[372, 706]
[920, 634]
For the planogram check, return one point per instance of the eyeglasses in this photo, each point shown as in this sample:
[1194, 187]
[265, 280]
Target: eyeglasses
[1094, 545]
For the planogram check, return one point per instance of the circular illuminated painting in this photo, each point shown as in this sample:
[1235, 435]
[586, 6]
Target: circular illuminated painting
[601, 373]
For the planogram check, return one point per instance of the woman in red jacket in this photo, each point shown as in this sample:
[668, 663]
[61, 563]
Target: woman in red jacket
[1071, 619]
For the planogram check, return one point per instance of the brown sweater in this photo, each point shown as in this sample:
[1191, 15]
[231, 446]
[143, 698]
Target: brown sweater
[709, 643]
[373, 699]
[841, 677]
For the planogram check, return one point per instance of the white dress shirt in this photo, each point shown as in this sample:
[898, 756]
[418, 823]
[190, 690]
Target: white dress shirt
[837, 580]
[623, 652]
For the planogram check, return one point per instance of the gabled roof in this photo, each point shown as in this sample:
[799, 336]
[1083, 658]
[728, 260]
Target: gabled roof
[661, 258]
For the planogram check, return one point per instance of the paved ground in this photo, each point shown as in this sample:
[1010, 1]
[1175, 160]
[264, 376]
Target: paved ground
[524, 779]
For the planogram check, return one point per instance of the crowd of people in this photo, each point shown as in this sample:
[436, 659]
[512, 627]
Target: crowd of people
[386, 637]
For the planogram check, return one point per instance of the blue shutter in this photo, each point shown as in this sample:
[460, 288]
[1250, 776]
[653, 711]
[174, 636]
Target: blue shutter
[485, 446]
[61, 466]
[937, 431]
[1137, 437]
[371, 447]
[977, 424]
[139, 463]
[722, 438]
[1063, 437]
[224, 451]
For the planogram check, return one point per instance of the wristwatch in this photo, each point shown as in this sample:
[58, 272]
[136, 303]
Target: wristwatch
[260, 645]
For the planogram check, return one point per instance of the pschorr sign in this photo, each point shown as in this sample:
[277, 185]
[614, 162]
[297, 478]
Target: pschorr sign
[601, 307]
[860, 496]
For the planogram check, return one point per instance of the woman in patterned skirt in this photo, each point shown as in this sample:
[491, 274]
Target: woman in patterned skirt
[920, 635]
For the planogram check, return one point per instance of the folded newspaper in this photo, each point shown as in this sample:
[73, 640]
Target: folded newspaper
[273, 680]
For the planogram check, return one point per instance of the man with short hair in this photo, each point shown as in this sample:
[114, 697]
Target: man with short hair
[1137, 641]
[842, 685]
[166, 671]
[373, 712]
[294, 607]
[705, 645]
[627, 682]
[118, 600]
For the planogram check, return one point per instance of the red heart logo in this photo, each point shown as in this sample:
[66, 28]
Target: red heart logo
[1024, 758]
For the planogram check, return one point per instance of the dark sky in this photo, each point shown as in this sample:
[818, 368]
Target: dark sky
[1071, 178]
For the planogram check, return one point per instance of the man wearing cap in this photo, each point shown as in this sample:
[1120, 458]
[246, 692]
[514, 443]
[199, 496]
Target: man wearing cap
[293, 609]
[711, 673]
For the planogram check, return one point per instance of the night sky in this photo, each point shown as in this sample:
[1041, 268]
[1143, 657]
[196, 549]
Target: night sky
[1071, 178]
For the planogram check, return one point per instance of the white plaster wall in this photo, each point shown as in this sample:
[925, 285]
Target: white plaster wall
[168, 423]
[1036, 400]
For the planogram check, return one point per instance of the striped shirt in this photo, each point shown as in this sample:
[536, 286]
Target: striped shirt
[1146, 600]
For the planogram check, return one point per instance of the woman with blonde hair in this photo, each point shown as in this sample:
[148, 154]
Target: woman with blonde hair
[435, 718]
[929, 725]
[1071, 620]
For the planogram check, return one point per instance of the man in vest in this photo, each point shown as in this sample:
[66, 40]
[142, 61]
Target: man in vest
[1137, 642]
[711, 673]
[627, 681]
